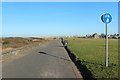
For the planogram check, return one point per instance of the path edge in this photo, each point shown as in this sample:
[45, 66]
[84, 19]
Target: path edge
[74, 67]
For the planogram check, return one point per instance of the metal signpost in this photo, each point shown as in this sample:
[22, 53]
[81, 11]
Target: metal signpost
[106, 18]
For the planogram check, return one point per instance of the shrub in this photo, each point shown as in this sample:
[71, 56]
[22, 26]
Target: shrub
[5, 42]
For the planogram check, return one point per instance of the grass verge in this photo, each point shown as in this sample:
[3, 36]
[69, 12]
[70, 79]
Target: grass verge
[91, 54]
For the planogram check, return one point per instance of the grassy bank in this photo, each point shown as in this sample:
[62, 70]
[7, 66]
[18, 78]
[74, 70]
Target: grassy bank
[15, 42]
[91, 53]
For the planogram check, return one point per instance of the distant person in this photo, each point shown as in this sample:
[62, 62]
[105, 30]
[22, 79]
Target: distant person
[62, 40]
[65, 43]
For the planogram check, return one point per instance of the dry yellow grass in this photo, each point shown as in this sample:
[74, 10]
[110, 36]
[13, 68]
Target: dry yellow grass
[50, 38]
[15, 42]
[8, 43]
[5, 49]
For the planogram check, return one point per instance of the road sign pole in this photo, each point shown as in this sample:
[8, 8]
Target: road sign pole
[106, 18]
[106, 62]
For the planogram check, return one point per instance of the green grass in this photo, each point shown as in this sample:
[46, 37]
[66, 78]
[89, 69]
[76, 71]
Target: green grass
[92, 54]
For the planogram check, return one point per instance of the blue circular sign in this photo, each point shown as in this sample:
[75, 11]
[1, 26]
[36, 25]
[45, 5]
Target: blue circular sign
[106, 18]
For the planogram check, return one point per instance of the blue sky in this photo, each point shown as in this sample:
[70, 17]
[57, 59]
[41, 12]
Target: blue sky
[57, 18]
[60, 0]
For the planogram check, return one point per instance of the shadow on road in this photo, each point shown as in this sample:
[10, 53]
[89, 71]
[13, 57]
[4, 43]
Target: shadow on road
[42, 53]
[83, 69]
[53, 56]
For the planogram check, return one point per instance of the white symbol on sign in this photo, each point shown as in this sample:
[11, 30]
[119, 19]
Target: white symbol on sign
[107, 20]
[107, 16]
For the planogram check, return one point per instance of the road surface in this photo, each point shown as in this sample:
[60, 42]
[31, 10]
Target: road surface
[48, 61]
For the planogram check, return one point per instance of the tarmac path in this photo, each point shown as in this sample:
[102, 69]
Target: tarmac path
[48, 61]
